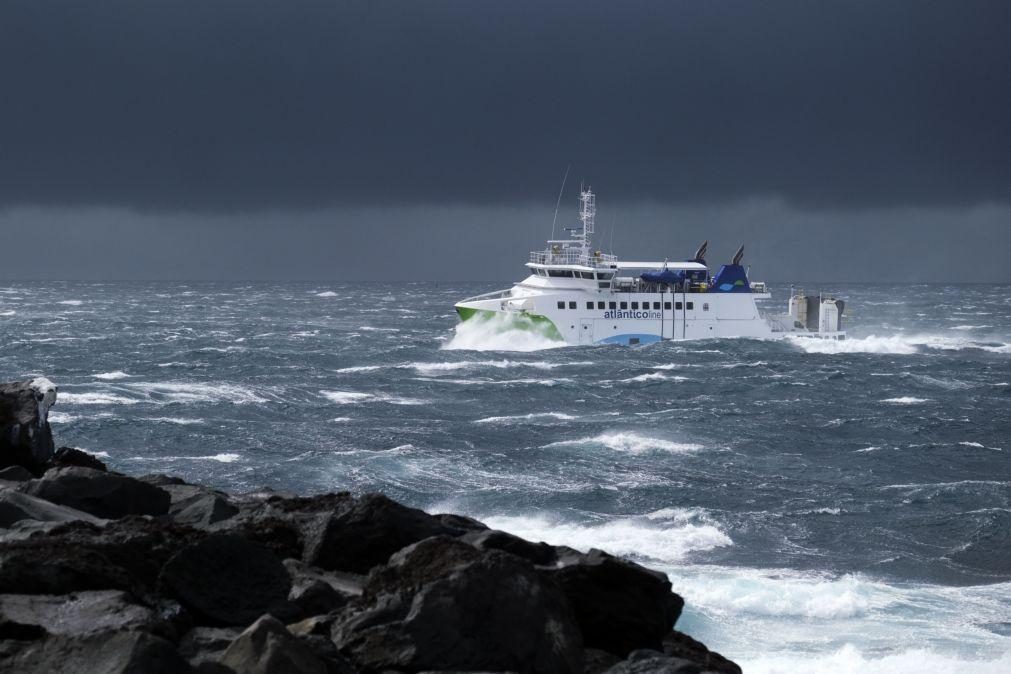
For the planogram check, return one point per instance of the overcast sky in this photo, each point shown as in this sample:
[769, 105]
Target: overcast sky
[206, 139]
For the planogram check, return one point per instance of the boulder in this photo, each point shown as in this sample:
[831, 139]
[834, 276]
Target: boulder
[620, 605]
[441, 604]
[647, 661]
[15, 474]
[199, 506]
[78, 614]
[109, 652]
[206, 644]
[227, 580]
[679, 645]
[68, 456]
[363, 534]
[16, 507]
[105, 495]
[490, 539]
[25, 437]
[266, 647]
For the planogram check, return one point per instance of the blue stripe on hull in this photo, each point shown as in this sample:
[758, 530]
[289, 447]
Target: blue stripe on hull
[626, 340]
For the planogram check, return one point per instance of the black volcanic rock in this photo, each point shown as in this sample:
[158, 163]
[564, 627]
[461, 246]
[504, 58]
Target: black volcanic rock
[621, 606]
[16, 507]
[111, 652]
[226, 580]
[651, 662]
[490, 539]
[364, 533]
[69, 456]
[267, 647]
[25, 437]
[105, 495]
[681, 645]
[79, 614]
[15, 474]
[443, 605]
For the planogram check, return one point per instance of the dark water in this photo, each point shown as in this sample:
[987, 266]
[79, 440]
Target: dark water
[829, 506]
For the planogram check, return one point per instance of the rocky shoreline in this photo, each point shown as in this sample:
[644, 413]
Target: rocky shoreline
[104, 572]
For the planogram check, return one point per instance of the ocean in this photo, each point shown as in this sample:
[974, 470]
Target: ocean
[822, 506]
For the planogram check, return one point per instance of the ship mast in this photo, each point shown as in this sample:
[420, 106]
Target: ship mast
[587, 213]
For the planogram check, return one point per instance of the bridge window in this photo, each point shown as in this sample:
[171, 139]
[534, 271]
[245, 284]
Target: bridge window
[605, 276]
[624, 305]
[586, 274]
[561, 305]
[635, 305]
[572, 305]
[600, 305]
[560, 273]
[666, 305]
[589, 305]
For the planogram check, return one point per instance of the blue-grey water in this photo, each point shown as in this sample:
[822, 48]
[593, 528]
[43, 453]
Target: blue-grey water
[823, 507]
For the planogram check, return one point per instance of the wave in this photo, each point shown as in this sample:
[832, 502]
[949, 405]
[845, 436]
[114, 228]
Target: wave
[526, 417]
[95, 399]
[906, 400]
[500, 333]
[629, 537]
[193, 392]
[326, 293]
[434, 368]
[631, 443]
[174, 420]
[72, 303]
[7, 313]
[851, 660]
[111, 376]
[653, 376]
[355, 397]
[895, 345]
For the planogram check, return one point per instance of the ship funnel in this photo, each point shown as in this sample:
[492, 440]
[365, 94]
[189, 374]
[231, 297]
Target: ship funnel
[738, 256]
[700, 254]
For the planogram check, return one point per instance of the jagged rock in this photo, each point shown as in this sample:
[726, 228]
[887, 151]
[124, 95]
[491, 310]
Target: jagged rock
[365, 533]
[340, 588]
[460, 522]
[646, 661]
[443, 604]
[105, 495]
[68, 456]
[207, 644]
[266, 647]
[103, 653]
[199, 506]
[16, 507]
[490, 539]
[15, 474]
[78, 614]
[227, 580]
[125, 554]
[621, 606]
[596, 661]
[25, 437]
[680, 645]
[160, 479]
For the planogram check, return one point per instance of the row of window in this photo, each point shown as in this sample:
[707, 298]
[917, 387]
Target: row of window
[568, 273]
[635, 305]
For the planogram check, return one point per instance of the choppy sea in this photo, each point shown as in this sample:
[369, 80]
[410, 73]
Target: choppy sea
[822, 506]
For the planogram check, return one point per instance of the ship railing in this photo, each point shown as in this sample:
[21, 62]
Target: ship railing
[570, 257]
[498, 294]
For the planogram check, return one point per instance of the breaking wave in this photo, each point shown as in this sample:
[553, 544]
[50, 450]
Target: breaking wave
[903, 345]
[500, 333]
[631, 443]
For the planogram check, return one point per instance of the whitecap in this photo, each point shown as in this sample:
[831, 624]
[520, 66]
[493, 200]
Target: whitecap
[174, 420]
[355, 397]
[849, 659]
[526, 417]
[92, 398]
[631, 443]
[906, 400]
[326, 293]
[500, 333]
[194, 392]
[629, 537]
[7, 313]
[72, 303]
[111, 376]
[653, 376]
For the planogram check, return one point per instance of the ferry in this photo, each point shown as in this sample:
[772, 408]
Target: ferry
[579, 295]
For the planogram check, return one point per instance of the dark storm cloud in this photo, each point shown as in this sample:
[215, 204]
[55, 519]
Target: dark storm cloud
[239, 106]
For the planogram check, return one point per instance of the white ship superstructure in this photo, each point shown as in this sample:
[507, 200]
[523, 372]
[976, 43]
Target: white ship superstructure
[583, 296]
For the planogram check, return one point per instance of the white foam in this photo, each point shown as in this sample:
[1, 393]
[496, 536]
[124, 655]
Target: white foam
[175, 420]
[72, 303]
[850, 660]
[8, 313]
[326, 293]
[895, 344]
[221, 458]
[360, 368]
[631, 443]
[94, 398]
[194, 392]
[653, 376]
[499, 333]
[526, 417]
[111, 376]
[355, 397]
[631, 537]
[906, 400]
